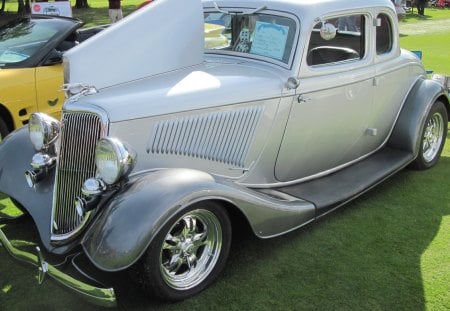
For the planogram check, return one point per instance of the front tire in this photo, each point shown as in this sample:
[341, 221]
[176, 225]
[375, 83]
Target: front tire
[433, 137]
[187, 255]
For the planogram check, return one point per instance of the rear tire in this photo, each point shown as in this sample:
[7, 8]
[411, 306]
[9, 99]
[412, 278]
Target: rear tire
[432, 137]
[187, 254]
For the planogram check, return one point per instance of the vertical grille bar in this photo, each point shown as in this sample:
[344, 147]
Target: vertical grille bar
[79, 135]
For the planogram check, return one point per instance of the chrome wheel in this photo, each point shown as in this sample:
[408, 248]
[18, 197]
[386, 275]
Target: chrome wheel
[432, 137]
[191, 249]
[187, 254]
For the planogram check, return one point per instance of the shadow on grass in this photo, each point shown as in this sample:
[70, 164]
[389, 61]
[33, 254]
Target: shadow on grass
[363, 256]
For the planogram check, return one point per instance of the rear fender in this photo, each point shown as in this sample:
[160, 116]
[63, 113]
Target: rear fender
[122, 233]
[408, 129]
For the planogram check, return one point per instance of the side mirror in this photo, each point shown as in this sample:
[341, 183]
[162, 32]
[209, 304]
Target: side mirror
[327, 31]
[54, 57]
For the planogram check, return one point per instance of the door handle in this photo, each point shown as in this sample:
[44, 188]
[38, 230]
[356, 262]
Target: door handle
[303, 99]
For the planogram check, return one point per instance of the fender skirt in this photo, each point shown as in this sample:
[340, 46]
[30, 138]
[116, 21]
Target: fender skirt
[126, 227]
[407, 131]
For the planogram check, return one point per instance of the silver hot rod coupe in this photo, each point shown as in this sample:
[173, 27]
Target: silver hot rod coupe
[187, 116]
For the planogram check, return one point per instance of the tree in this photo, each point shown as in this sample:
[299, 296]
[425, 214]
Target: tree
[81, 4]
[2, 9]
[23, 7]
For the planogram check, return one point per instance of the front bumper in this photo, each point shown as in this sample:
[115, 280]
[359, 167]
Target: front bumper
[100, 296]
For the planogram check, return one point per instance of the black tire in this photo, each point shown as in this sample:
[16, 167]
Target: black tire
[432, 138]
[187, 254]
[3, 129]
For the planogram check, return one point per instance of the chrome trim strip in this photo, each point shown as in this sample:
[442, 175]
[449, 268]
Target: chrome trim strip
[311, 177]
[99, 296]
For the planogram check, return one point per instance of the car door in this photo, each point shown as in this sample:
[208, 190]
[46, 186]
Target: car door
[328, 123]
[49, 94]
[17, 93]
[391, 81]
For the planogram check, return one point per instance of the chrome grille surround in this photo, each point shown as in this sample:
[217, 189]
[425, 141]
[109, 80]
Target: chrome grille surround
[80, 132]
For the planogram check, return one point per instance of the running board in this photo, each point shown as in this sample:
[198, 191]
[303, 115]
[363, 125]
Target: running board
[332, 191]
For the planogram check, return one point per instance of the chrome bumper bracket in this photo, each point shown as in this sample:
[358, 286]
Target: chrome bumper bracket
[99, 296]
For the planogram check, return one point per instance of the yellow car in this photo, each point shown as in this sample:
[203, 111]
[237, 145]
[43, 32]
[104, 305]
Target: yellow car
[31, 73]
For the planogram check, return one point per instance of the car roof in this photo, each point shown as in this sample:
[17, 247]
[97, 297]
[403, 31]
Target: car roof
[301, 8]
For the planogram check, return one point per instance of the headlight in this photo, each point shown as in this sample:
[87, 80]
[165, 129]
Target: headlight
[43, 130]
[114, 159]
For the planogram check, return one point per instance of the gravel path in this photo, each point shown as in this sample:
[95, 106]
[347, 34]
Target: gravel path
[426, 26]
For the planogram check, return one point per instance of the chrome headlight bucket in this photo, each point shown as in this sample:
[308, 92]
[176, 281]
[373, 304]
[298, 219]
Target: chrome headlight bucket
[43, 130]
[114, 159]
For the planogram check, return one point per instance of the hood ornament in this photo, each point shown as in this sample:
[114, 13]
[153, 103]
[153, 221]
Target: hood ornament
[78, 90]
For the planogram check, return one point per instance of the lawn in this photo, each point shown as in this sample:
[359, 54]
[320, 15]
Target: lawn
[431, 35]
[387, 250]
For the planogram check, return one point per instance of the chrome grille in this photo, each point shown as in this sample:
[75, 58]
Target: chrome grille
[79, 135]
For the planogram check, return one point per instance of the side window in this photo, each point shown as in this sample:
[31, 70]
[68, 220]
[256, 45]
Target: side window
[337, 40]
[384, 34]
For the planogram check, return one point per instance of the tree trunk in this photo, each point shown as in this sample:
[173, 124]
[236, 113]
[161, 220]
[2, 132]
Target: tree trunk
[23, 7]
[81, 4]
[27, 6]
[20, 6]
[2, 9]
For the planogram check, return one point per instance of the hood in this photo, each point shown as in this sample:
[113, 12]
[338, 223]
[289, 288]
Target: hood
[163, 36]
[206, 85]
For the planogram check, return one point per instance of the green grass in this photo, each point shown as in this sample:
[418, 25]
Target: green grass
[388, 250]
[430, 35]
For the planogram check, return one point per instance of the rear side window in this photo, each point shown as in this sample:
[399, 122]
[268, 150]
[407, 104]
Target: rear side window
[384, 34]
[337, 40]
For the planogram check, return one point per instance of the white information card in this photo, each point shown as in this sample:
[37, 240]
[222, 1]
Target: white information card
[269, 40]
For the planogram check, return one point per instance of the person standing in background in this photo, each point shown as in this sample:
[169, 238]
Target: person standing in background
[115, 10]
[421, 7]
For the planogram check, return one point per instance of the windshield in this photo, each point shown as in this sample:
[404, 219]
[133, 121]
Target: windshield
[22, 39]
[264, 35]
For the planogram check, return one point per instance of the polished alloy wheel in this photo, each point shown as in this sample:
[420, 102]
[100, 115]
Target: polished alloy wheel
[191, 249]
[432, 137]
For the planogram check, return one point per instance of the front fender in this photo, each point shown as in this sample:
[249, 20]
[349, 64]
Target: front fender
[408, 129]
[16, 153]
[122, 233]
